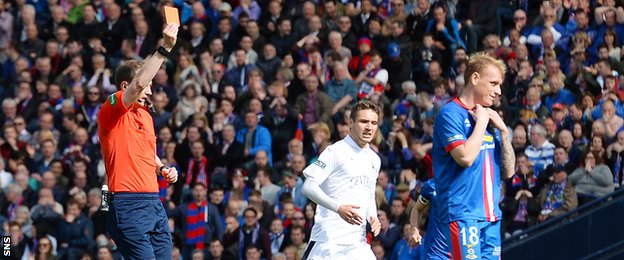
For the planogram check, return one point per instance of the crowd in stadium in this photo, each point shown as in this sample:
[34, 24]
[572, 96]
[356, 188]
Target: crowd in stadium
[256, 89]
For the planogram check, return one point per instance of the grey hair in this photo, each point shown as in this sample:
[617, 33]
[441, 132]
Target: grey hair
[15, 188]
[9, 102]
[540, 130]
[408, 85]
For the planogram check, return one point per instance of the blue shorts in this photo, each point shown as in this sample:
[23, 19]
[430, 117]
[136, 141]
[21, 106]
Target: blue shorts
[472, 239]
[434, 243]
[138, 224]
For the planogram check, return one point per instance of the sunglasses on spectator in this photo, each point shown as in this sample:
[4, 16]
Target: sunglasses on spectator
[519, 18]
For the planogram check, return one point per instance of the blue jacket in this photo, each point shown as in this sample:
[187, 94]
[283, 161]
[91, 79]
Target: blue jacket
[299, 200]
[564, 96]
[262, 141]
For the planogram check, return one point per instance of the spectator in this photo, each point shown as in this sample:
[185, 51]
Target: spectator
[196, 169]
[237, 75]
[251, 56]
[250, 234]
[44, 249]
[390, 233]
[20, 244]
[314, 105]
[566, 141]
[230, 153]
[558, 197]
[277, 235]
[614, 158]
[559, 95]
[610, 120]
[358, 63]
[268, 189]
[77, 235]
[402, 250]
[255, 137]
[94, 201]
[541, 151]
[593, 179]
[199, 220]
[297, 237]
[216, 250]
[387, 185]
[269, 63]
[341, 88]
[373, 78]
[47, 210]
[520, 206]
[293, 186]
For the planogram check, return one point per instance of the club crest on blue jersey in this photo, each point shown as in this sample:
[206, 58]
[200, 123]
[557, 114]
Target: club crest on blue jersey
[471, 252]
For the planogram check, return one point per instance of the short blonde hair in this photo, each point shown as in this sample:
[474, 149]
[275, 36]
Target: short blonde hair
[479, 61]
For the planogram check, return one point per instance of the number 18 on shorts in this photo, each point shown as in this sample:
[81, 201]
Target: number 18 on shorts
[473, 239]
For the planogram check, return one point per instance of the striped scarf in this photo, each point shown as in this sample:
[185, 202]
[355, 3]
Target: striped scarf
[255, 233]
[201, 175]
[196, 224]
[163, 184]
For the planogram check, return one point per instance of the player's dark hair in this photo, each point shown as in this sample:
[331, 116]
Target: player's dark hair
[364, 105]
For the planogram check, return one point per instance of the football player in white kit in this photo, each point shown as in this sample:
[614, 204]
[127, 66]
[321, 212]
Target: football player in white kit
[342, 182]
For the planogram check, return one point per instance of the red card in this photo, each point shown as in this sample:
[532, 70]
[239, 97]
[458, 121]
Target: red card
[171, 15]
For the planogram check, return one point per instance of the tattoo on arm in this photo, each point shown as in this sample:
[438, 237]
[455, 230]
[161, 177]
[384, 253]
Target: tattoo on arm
[508, 158]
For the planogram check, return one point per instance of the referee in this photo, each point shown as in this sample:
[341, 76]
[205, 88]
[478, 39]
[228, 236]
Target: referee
[136, 220]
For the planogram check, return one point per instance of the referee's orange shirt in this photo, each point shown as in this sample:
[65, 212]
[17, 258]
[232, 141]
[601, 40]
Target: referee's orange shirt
[128, 146]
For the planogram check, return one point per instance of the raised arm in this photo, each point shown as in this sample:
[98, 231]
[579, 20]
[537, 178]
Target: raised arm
[149, 69]
[466, 153]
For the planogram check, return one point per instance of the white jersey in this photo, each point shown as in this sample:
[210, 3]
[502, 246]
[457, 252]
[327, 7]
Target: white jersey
[347, 174]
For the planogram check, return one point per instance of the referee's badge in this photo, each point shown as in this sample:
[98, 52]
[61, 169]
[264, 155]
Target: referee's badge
[113, 99]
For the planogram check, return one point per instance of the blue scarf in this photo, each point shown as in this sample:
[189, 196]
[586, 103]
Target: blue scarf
[554, 196]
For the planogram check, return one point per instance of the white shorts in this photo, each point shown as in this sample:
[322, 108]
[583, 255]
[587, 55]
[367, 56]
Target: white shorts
[324, 250]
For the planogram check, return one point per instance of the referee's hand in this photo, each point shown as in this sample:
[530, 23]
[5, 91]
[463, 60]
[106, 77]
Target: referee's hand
[348, 213]
[171, 174]
[170, 36]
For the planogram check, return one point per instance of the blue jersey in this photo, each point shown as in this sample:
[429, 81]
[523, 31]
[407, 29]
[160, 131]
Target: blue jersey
[434, 241]
[465, 193]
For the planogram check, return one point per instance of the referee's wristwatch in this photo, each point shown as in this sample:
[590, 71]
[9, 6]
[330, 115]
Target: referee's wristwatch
[163, 51]
[160, 170]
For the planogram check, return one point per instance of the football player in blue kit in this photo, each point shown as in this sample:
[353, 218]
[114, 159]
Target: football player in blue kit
[471, 153]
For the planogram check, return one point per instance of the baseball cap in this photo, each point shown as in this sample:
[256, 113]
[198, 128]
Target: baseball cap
[365, 40]
[393, 50]
[558, 168]
[402, 187]
[558, 106]
[401, 110]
